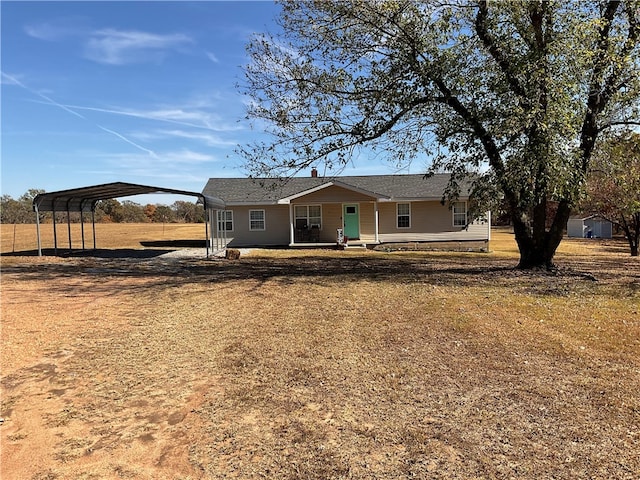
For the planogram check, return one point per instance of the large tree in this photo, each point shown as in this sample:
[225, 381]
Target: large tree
[188, 212]
[613, 185]
[514, 93]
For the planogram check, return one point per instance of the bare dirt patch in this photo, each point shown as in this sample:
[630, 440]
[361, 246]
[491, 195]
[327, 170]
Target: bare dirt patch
[322, 364]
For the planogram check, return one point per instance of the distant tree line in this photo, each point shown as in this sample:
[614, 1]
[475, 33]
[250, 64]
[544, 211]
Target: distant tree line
[107, 211]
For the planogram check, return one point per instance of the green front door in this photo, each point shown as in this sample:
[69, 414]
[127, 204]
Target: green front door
[351, 220]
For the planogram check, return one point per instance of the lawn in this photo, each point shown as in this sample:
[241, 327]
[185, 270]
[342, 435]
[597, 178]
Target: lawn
[320, 364]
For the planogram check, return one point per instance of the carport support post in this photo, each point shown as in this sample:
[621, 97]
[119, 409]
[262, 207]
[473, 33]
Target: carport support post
[38, 230]
[82, 227]
[206, 234]
[93, 223]
[213, 214]
[69, 227]
[55, 235]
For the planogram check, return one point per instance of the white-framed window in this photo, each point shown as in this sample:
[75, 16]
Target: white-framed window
[403, 215]
[307, 216]
[225, 220]
[256, 220]
[459, 214]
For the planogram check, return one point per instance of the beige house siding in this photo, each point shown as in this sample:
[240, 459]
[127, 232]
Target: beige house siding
[276, 227]
[429, 221]
[475, 232]
[331, 221]
[367, 222]
[332, 194]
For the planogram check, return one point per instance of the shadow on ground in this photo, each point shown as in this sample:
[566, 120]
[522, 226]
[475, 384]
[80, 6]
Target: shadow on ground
[175, 243]
[123, 253]
[150, 265]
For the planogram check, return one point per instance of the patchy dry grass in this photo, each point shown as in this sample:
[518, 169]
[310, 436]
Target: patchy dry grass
[324, 364]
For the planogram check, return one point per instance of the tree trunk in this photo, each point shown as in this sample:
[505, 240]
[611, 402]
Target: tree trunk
[536, 254]
[632, 238]
[537, 245]
[631, 231]
[636, 236]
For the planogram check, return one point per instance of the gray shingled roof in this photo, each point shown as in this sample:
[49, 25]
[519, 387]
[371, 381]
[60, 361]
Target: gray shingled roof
[269, 190]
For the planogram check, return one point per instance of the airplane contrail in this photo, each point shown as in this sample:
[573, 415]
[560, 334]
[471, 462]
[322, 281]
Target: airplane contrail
[122, 137]
[147, 116]
[51, 101]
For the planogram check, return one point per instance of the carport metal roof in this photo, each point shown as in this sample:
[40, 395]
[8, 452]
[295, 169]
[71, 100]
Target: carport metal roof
[84, 199]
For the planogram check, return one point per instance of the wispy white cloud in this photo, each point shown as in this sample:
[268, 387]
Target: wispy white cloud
[211, 56]
[110, 46]
[120, 47]
[187, 156]
[196, 118]
[172, 159]
[205, 138]
[58, 29]
[184, 164]
[181, 168]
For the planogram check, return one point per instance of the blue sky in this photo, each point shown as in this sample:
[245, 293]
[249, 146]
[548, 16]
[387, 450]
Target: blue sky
[140, 92]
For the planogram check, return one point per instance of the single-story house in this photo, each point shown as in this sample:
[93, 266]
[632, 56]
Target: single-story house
[589, 226]
[366, 210]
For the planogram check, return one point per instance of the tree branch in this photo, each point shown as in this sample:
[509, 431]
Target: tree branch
[599, 94]
[496, 52]
[618, 123]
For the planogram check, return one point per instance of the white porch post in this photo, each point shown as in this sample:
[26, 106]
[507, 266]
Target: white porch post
[292, 237]
[375, 215]
[213, 226]
[224, 240]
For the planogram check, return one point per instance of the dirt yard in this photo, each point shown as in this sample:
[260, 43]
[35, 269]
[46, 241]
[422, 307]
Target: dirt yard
[321, 365]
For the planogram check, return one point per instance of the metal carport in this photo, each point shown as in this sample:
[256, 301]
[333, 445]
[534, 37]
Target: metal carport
[84, 200]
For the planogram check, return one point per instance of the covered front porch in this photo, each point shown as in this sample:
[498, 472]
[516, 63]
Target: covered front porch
[316, 215]
[330, 224]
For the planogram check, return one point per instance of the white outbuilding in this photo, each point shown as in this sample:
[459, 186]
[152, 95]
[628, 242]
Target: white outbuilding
[592, 226]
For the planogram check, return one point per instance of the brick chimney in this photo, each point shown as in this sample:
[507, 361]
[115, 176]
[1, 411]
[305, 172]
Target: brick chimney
[314, 172]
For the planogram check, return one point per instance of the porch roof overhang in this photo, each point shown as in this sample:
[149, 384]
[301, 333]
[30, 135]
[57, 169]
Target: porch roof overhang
[84, 199]
[336, 183]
